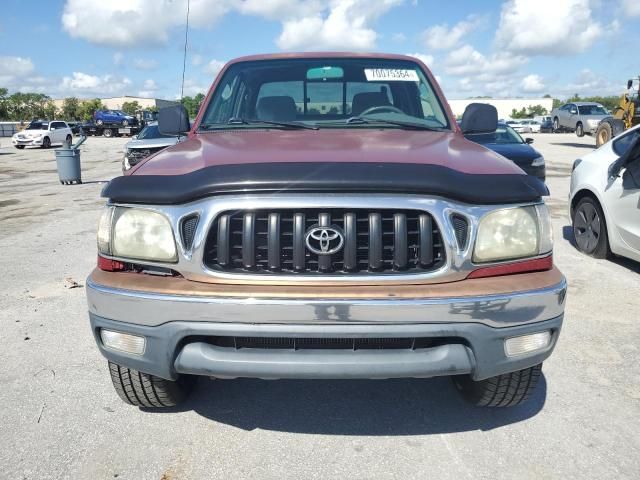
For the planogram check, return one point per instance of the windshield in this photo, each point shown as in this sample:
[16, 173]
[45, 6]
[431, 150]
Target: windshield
[325, 93]
[151, 131]
[591, 110]
[504, 134]
[38, 126]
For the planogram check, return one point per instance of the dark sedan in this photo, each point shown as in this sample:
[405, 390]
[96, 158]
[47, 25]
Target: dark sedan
[508, 143]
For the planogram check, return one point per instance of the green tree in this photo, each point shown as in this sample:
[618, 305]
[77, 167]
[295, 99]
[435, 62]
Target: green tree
[50, 110]
[131, 108]
[3, 104]
[192, 104]
[88, 107]
[556, 103]
[519, 113]
[71, 108]
[534, 110]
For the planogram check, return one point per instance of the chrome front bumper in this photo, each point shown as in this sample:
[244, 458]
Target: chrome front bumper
[176, 329]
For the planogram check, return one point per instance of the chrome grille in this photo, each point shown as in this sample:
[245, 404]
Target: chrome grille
[273, 242]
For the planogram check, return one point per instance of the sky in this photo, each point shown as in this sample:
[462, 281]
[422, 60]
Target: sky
[498, 48]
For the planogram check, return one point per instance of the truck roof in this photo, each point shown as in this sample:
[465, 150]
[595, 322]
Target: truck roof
[301, 55]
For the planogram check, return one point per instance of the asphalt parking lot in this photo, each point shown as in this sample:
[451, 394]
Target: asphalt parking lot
[61, 418]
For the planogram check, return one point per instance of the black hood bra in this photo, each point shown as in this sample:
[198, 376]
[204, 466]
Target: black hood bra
[326, 177]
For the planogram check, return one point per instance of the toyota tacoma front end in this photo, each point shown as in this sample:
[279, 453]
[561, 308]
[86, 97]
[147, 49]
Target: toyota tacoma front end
[326, 219]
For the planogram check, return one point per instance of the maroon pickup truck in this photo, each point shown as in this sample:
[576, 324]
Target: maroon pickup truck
[325, 218]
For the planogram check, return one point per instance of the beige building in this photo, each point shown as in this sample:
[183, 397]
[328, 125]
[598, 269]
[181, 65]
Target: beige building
[503, 105]
[115, 103]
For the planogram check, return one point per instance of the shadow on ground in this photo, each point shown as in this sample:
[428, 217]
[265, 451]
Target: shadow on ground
[576, 145]
[567, 234]
[350, 407]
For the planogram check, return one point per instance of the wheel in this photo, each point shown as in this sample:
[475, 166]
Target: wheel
[505, 390]
[590, 228]
[69, 139]
[46, 142]
[19, 147]
[99, 122]
[603, 134]
[125, 123]
[143, 390]
[108, 132]
[579, 130]
[556, 124]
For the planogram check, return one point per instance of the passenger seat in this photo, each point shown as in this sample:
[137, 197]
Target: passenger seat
[276, 108]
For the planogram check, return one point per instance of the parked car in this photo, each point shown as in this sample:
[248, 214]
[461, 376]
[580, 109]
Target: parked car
[113, 117]
[510, 144]
[75, 127]
[362, 237]
[546, 127]
[580, 117]
[518, 126]
[532, 124]
[543, 118]
[148, 142]
[43, 134]
[605, 198]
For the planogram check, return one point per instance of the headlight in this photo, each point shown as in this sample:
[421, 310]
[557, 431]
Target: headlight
[513, 233]
[538, 161]
[137, 234]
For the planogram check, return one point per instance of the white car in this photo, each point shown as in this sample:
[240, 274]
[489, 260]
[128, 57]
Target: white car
[519, 126]
[532, 124]
[43, 134]
[605, 198]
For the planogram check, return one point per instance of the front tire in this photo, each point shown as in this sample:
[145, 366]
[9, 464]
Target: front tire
[505, 390]
[19, 147]
[144, 390]
[579, 130]
[99, 122]
[556, 124]
[108, 133]
[590, 228]
[69, 139]
[46, 142]
[125, 123]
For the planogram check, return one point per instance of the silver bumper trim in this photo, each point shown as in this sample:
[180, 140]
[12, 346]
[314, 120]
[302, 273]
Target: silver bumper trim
[153, 309]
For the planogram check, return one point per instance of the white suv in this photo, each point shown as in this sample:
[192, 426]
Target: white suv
[43, 134]
[605, 198]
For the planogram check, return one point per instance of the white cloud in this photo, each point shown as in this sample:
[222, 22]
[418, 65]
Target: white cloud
[213, 67]
[426, 59]
[149, 88]
[468, 61]
[588, 83]
[346, 25]
[145, 64]
[631, 8]
[80, 84]
[532, 84]
[399, 37]
[124, 23]
[15, 71]
[441, 37]
[548, 27]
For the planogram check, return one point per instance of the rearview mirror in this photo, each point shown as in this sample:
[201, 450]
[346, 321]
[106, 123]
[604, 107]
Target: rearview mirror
[528, 140]
[173, 120]
[479, 118]
[324, 73]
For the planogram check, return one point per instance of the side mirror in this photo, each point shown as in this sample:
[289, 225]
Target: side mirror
[629, 84]
[135, 137]
[173, 120]
[479, 118]
[528, 140]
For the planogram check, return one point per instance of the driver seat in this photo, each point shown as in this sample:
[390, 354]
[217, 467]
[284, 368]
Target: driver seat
[365, 100]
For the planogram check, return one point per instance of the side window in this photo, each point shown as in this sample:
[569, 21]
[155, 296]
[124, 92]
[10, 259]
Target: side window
[622, 144]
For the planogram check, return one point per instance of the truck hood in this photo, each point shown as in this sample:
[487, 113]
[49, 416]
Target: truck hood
[234, 147]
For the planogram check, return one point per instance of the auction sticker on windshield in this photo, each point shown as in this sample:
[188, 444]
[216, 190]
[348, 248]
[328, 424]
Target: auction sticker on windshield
[392, 74]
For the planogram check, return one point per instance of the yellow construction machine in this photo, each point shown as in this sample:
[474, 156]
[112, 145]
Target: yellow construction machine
[625, 115]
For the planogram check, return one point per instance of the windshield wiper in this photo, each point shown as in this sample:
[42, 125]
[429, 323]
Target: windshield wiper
[297, 125]
[397, 123]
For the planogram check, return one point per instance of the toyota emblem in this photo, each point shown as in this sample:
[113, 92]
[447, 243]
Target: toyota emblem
[324, 240]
